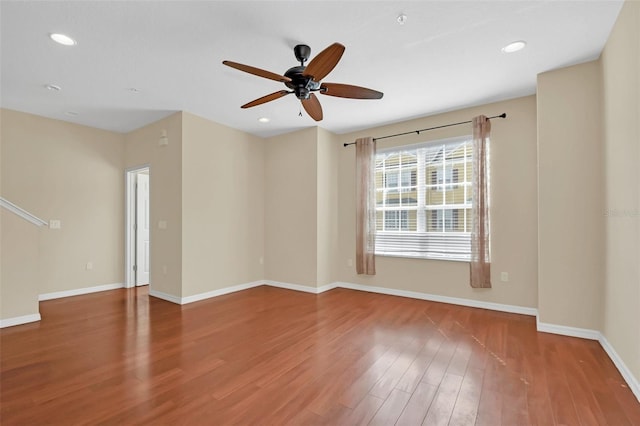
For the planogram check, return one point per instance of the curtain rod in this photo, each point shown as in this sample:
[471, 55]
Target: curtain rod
[503, 115]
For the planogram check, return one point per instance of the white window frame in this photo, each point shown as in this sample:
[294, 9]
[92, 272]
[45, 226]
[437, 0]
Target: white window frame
[424, 243]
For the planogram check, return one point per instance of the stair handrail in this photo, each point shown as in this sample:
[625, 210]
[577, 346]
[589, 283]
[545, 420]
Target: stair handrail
[22, 212]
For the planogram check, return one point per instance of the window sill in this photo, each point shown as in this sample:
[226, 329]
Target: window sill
[410, 256]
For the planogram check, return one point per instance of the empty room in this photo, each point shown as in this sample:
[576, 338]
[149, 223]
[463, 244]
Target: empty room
[320, 213]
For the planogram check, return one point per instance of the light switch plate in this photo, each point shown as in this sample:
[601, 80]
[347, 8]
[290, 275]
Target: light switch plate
[55, 224]
[162, 224]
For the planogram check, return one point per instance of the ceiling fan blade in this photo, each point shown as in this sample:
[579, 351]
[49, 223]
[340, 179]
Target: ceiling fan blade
[313, 107]
[349, 91]
[324, 62]
[265, 99]
[257, 71]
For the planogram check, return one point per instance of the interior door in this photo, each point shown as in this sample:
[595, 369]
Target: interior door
[142, 229]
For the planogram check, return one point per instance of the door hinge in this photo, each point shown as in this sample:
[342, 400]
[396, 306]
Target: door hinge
[135, 267]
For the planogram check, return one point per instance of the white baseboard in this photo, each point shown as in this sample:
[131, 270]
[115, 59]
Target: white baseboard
[632, 381]
[583, 333]
[220, 292]
[24, 319]
[523, 310]
[165, 296]
[327, 287]
[79, 291]
[239, 287]
[298, 287]
[381, 290]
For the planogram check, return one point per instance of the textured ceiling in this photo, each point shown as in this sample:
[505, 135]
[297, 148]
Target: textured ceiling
[446, 56]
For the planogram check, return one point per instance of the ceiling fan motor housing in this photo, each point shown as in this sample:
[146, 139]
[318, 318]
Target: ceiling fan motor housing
[301, 85]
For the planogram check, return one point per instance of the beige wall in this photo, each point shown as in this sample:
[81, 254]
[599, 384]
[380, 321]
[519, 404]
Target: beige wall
[621, 104]
[165, 198]
[327, 223]
[223, 190]
[208, 186]
[570, 192]
[301, 207]
[19, 278]
[290, 207]
[58, 170]
[514, 215]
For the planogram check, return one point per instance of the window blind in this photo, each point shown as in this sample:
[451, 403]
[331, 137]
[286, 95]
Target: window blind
[423, 200]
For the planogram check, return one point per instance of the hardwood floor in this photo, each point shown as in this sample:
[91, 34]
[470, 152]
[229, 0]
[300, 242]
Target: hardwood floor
[273, 356]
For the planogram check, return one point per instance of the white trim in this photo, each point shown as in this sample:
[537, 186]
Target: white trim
[226, 290]
[317, 290]
[585, 333]
[303, 288]
[165, 296]
[219, 292]
[627, 375]
[523, 310]
[327, 287]
[79, 291]
[564, 330]
[22, 212]
[24, 319]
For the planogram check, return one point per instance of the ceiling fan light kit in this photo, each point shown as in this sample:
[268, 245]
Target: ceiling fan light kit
[303, 80]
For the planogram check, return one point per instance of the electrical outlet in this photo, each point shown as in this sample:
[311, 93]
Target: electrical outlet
[89, 266]
[349, 262]
[164, 269]
[504, 277]
[162, 224]
[55, 224]
[261, 260]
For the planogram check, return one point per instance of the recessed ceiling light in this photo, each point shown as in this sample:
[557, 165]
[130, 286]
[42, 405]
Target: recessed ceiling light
[264, 120]
[71, 113]
[53, 87]
[402, 19]
[62, 39]
[514, 47]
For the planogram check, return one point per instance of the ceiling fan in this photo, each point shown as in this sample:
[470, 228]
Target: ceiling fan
[304, 80]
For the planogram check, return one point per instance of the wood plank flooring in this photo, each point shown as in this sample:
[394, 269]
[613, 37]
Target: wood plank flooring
[273, 356]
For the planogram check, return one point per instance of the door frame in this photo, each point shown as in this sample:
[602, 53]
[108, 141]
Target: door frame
[129, 222]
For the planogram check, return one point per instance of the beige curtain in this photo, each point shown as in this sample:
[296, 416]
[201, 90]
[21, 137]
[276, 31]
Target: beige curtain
[480, 232]
[365, 206]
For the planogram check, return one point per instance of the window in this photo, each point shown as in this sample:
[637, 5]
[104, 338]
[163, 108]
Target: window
[423, 196]
[396, 219]
[444, 220]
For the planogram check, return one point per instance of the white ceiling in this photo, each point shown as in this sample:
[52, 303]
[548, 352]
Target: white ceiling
[447, 56]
